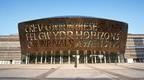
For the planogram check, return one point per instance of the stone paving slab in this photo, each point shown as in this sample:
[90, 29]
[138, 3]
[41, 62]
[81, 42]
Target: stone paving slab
[125, 71]
[69, 72]
[21, 73]
[129, 73]
[136, 65]
[14, 79]
[80, 79]
[79, 73]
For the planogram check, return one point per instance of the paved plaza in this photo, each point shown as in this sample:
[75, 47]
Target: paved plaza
[69, 72]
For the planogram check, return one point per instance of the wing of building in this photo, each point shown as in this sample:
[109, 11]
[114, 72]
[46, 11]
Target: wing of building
[135, 48]
[10, 51]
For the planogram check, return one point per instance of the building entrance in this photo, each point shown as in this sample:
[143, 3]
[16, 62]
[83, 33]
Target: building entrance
[68, 57]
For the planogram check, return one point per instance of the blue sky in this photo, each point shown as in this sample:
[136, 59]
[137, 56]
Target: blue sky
[14, 11]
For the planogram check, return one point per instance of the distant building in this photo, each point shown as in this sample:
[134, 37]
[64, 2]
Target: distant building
[135, 48]
[10, 52]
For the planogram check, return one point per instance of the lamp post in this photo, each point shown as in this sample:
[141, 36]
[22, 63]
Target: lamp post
[76, 58]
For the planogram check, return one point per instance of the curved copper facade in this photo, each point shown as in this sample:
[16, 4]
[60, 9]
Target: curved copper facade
[72, 33]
